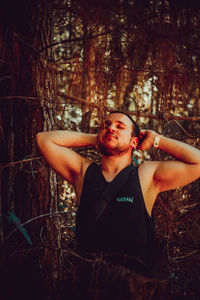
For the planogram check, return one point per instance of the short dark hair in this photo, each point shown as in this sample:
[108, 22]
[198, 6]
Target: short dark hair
[136, 129]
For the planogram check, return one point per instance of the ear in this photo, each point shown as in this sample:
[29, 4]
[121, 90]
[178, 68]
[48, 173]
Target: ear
[134, 142]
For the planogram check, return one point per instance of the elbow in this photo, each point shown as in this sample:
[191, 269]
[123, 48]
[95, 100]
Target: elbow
[39, 138]
[42, 140]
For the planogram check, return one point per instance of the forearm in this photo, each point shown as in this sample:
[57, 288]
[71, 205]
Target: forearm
[67, 138]
[180, 150]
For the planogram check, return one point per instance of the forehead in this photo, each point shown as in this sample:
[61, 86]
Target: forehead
[117, 117]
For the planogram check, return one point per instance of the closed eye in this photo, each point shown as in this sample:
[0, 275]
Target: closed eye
[106, 124]
[119, 125]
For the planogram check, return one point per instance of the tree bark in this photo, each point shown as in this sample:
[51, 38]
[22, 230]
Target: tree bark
[28, 189]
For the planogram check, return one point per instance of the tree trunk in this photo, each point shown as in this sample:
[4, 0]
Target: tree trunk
[26, 192]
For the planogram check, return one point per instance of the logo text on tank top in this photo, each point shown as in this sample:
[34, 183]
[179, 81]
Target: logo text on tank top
[125, 199]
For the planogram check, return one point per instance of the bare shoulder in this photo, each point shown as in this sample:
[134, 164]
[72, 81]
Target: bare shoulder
[146, 173]
[149, 189]
[148, 167]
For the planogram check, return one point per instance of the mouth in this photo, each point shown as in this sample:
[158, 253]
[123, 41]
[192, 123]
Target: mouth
[110, 136]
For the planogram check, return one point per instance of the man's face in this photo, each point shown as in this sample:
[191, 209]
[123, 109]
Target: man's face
[115, 135]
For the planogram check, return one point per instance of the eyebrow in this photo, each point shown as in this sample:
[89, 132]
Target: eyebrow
[121, 123]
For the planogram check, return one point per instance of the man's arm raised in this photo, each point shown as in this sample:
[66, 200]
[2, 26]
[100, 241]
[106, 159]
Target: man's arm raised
[172, 174]
[54, 146]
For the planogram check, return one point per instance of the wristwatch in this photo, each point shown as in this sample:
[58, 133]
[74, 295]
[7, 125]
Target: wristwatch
[156, 141]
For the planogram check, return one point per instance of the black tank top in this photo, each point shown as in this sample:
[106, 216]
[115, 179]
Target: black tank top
[112, 216]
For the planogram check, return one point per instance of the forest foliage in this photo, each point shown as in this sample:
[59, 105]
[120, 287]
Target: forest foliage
[68, 63]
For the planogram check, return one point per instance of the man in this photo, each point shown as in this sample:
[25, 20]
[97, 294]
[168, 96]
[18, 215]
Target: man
[116, 199]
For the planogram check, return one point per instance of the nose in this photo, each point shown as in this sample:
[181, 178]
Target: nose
[111, 127]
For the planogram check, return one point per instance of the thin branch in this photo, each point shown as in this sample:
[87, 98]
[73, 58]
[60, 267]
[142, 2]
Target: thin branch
[31, 47]
[161, 116]
[185, 256]
[26, 98]
[78, 39]
[186, 133]
[35, 218]
[135, 113]
[19, 162]
[6, 77]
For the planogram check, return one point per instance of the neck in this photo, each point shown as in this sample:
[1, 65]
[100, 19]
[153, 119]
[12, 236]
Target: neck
[112, 165]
